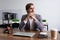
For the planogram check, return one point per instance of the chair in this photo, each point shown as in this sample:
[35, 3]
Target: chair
[45, 23]
[15, 23]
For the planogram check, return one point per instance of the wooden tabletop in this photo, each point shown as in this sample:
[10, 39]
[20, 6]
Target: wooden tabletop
[35, 37]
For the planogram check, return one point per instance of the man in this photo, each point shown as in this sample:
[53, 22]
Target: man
[31, 21]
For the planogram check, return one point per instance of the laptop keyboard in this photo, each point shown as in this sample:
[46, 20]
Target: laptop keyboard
[29, 34]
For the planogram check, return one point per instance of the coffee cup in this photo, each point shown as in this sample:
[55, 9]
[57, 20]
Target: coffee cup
[54, 33]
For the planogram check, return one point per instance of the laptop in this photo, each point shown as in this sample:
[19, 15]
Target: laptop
[25, 34]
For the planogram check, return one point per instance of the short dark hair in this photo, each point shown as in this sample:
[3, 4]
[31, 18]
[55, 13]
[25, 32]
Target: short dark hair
[28, 5]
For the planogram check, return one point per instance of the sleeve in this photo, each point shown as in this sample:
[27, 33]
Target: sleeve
[39, 23]
[22, 23]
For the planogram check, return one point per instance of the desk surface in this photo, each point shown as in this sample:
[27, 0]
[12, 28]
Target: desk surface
[10, 37]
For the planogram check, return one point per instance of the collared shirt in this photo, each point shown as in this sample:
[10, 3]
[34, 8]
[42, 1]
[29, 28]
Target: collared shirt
[31, 23]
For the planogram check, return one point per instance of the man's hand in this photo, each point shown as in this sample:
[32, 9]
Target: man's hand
[31, 15]
[26, 19]
[34, 18]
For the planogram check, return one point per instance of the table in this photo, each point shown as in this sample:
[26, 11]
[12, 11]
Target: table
[10, 37]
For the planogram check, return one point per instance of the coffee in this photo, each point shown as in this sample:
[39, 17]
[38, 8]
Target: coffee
[54, 33]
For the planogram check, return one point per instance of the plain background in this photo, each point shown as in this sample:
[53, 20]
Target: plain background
[48, 9]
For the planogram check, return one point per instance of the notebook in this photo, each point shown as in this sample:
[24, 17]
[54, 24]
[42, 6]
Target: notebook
[26, 34]
[43, 35]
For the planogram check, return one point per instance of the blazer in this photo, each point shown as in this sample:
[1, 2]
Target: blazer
[37, 24]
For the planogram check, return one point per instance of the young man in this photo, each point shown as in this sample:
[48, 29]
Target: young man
[31, 21]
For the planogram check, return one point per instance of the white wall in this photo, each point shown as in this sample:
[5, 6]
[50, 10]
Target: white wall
[48, 9]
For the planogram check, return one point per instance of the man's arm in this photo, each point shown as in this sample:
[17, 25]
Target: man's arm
[38, 22]
[22, 23]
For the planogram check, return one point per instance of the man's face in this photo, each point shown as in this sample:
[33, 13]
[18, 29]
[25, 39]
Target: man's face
[31, 9]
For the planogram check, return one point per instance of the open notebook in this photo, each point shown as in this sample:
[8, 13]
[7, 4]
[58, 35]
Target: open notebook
[27, 34]
[43, 35]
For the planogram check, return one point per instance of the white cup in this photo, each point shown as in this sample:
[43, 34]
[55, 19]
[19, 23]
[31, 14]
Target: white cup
[54, 33]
